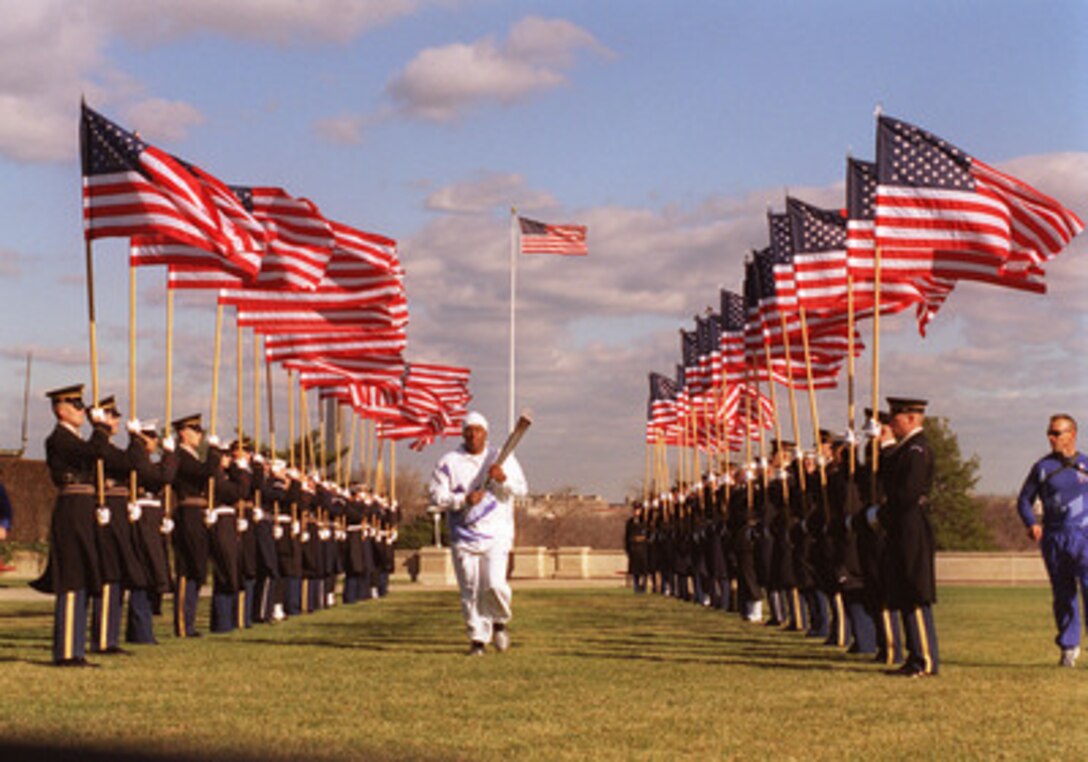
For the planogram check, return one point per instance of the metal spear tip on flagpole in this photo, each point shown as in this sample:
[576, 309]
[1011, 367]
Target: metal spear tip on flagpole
[878, 110]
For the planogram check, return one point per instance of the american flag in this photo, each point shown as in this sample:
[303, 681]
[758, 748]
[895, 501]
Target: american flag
[819, 255]
[279, 347]
[732, 337]
[133, 188]
[981, 224]
[906, 275]
[661, 411]
[542, 238]
[300, 239]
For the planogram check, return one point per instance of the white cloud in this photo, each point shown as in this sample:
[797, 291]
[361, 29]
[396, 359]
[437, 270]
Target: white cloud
[283, 22]
[158, 119]
[52, 52]
[346, 129]
[441, 83]
[489, 191]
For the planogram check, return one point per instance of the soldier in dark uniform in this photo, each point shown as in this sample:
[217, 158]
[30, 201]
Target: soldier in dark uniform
[231, 479]
[911, 546]
[743, 528]
[635, 545]
[845, 501]
[72, 569]
[386, 540]
[190, 536]
[121, 567]
[871, 541]
[269, 494]
[148, 531]
[287, 533]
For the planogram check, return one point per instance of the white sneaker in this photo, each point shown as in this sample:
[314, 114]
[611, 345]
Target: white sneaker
[330, 600]
[277, 613]
[500, 638]
[1069, 657]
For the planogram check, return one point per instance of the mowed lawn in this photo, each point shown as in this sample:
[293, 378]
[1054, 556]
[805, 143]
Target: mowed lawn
[593, 674]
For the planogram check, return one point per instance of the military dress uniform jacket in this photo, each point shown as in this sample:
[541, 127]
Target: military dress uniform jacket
[116, 543]
[73, 550]
[147, 532]
[911, 547]
[190, 536]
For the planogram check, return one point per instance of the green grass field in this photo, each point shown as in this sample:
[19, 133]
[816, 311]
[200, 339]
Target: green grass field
[594, 674]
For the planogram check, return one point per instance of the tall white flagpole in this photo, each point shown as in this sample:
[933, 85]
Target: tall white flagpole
[513, 301]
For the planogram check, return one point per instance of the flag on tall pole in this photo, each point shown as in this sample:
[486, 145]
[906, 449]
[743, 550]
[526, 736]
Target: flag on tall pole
[542, 238]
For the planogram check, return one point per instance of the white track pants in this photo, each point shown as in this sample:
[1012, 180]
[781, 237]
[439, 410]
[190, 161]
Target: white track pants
[485, 593]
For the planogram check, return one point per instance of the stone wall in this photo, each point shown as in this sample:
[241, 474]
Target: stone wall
[571, 563]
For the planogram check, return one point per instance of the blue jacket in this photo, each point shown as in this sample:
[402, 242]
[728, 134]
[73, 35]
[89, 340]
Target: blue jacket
[1062, 486]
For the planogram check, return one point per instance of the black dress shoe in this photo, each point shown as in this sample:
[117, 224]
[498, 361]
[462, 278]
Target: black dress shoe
[77, 661]
[117, 651]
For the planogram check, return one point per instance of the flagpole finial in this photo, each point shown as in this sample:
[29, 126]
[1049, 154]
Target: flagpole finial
[878, 110]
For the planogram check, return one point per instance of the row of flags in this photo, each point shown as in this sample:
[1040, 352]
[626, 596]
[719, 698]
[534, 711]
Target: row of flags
[328, 298]
[934, 214]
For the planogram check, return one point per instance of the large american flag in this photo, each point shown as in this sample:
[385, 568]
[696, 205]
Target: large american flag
[981, 224]
[300, 239]
[906, 275]
[133, 188]
[542, 238]
[819, 255]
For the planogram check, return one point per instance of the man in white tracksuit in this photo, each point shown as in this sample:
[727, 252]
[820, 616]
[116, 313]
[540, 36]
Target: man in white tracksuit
[478, 497]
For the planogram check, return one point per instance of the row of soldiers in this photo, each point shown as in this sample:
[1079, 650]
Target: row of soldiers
[830, 556]
[276, 540]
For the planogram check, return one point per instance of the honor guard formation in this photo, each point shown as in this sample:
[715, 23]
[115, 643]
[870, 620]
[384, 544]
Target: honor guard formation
[845, 565]
[277, 540]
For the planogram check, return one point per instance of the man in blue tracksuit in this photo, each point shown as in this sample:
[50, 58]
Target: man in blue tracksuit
[1060, 482]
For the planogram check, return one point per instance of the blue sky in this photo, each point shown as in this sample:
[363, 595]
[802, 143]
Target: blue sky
[667, 127]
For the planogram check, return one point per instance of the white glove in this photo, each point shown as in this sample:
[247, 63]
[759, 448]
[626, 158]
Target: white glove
[242, 463]
[305, 537]
[168, 444]
[324, 534]
[134, 512]
[872, 428]
[781, 474]
[167, 526]
[846, 523]
[871, 515]
[209, 518]
[133, 426]
[277, 532]
[850, 437]
[296, 528]
[102, 515]
[293, 473]
[215, 441]
[258, 458]
[243, 525]
[821, 460]
[258, 514]
[98, 415]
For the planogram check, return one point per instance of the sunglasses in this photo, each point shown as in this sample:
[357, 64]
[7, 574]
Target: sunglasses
[77, 404]
[1057, 432]
[198, 429]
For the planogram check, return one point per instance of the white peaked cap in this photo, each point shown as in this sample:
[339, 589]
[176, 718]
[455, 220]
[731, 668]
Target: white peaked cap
[475, 419]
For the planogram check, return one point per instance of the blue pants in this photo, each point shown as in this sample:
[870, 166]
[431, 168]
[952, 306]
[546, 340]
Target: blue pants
[383, 584]
[292, 595]
[819, 626]
[839, 630]
[1065, 552]
[862, 626]
[224, 606]
[140, 629]
[921, 638]
[889, 638]
[185, 600]
[70, 625]
[106, 618]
